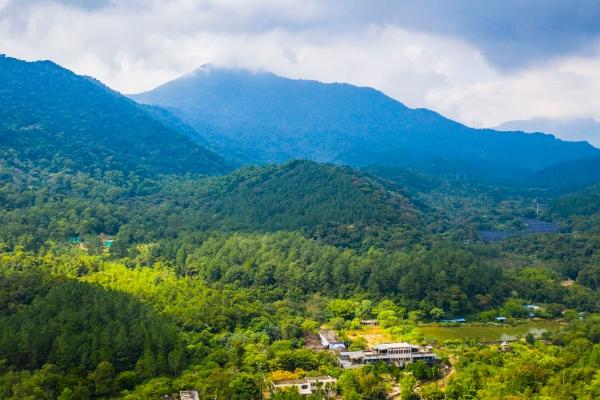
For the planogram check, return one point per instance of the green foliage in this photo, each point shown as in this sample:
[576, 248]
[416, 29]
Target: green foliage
[54, 120]
[362, 384]
[325, 200]
[455, 280]
[50, 326]
[333, 204]
[216, 283]
[540, 372]
[103, 378]
[408, 384]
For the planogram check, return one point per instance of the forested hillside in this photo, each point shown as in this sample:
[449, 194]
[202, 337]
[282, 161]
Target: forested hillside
[54, 120]
[581, 204]
[338, 204]
[330, 203]
[567, 177]
[237, 308]
[134, 263]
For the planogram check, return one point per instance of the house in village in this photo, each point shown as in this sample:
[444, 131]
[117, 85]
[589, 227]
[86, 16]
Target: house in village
[369, 322]
[189, 395]
[324, 385]
[106, 242]
[532, 309]
[398, 354]
[505, 346]
[454, 321]
[330, 341]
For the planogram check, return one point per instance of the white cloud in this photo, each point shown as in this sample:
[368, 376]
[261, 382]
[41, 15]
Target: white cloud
[566, 88]
[137, 45]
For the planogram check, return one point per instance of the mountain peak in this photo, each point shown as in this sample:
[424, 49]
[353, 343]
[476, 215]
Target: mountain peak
[266, 118]
[78, 116]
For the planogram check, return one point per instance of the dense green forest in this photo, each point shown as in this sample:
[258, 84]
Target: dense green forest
[135, 263]
[80, 326]
[54, 120]
[213, 283]
[332, 203]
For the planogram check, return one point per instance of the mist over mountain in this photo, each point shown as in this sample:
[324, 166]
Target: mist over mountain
[235, 234]
[134, 263]
[587, 129]
[260, 117]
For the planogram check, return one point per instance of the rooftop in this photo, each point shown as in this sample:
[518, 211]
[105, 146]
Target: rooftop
[399, 345]
[329, 335]
[188, 395]
[309, 379]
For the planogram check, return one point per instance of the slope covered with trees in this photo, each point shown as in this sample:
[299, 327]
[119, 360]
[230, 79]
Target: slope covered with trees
[567, 176]
[338, 204]
[125, 272]
[236, 315]
[335, 204]
[54, 120]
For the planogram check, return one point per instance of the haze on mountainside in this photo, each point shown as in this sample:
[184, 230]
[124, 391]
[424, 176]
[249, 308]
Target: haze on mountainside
[265, 118]
[479, 64]
[235, 234]
[570, 128]
[56, 122]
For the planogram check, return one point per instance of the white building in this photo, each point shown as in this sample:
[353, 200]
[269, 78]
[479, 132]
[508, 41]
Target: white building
[330, 341]
[398, 354]
[189, 395]
[307, 386]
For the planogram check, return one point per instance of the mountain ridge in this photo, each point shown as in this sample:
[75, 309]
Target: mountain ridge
[581, 129]
[52, 119]
[274, 119]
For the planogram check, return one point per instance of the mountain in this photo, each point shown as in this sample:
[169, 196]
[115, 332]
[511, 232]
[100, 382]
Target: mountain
[567, 176]
[584, 203]
[301, 194]
[260, 117]
[337, 204]
[55, 120]
[586, 129]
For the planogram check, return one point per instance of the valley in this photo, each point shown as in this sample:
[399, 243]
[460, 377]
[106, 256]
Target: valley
[146, 252]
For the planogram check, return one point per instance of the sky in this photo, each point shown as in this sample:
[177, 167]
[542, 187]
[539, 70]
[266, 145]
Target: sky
[481, 62]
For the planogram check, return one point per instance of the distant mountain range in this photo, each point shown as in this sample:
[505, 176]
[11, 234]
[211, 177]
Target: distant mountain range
[256, 117]
[586, 129]
[54, 120]
[566, 175]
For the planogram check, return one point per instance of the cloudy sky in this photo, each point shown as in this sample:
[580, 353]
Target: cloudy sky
[482, 62]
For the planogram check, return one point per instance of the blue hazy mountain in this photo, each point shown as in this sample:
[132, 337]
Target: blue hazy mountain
[567, 176]
[54, 120]
[587, 129]
[260, 117]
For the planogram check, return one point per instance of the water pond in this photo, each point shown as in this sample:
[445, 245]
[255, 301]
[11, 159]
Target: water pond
[489, 333]
[531, 226]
